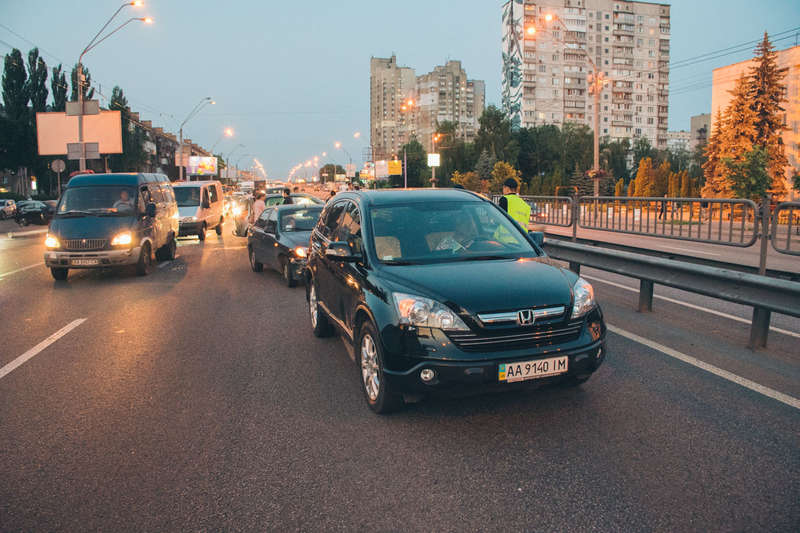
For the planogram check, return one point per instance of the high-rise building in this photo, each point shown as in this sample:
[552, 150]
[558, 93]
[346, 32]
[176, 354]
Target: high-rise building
[679, 140]
[700, 128]
[390, 86]
[447, 95]
[403, 105]
[724, 79]
[550, 47]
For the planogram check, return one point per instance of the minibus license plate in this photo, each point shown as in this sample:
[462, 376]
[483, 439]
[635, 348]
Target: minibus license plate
[85, 262]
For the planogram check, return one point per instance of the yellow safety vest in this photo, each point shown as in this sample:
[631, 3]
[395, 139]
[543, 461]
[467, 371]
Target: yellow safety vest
[519, 210]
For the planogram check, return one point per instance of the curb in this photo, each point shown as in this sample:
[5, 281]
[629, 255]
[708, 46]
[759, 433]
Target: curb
[24, 234]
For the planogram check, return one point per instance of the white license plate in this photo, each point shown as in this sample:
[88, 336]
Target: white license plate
[85, 262]
[541, 368]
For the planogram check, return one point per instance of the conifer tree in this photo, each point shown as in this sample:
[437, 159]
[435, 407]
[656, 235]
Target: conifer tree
[766, 93]
[686, 185]
[712, 167]
[644, 177]
[619, 188]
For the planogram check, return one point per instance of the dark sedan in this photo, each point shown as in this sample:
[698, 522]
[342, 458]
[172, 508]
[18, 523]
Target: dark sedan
[32, 212]
[438, 289]
[279, 240]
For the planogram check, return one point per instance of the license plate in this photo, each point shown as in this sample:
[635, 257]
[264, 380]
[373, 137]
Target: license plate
[85, 262]
[541, 368]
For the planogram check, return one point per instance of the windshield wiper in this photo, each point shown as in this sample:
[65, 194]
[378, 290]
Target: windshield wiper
[74, 212]
[481, 258]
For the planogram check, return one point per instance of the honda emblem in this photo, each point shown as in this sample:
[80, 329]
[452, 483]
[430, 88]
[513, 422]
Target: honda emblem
[525, 317]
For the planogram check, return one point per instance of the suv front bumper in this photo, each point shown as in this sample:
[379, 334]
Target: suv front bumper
[97, 259]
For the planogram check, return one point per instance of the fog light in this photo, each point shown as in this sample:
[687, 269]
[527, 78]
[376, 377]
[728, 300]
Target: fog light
[427, 375]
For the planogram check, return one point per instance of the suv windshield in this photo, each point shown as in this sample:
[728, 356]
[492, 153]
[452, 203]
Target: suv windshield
[300, 219]
[106, 199]
[445, 231]
[187, 196]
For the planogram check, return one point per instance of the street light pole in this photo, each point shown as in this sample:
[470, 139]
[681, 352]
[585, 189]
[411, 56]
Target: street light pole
[94, 42]
[192, 113]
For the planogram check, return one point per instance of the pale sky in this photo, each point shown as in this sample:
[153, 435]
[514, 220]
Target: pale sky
[292, 78]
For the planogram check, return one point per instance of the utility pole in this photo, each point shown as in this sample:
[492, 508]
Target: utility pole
[597, 86]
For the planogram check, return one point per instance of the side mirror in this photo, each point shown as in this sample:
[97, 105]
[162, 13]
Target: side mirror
[340, 251]
[150, 210]
[537, 237]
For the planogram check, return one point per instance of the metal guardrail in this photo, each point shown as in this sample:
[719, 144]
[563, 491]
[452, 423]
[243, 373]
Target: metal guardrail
[549, 210]
[765, 295]
[726, 222]
[785, 235]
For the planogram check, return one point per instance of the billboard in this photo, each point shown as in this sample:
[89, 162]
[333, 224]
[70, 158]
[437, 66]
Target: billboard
[433, 160]
[382, 169]
[395, 168]
[202, 166]
[54, 131]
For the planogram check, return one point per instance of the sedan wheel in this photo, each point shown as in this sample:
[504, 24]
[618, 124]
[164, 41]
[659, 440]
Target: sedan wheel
[255, 266]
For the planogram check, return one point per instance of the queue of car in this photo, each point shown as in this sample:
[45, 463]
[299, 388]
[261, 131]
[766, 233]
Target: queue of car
[430, 289]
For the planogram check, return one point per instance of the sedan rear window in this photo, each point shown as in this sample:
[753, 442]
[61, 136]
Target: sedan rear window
[445, 231]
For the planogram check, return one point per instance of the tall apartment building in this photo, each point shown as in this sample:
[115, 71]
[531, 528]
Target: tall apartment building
[724, 79]
[700, 128]
[403, 105]
[545, 71]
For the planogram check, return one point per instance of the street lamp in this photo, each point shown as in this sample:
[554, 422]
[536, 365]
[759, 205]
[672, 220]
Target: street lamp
[205, 101]
[597, 82]
[227, 132]
[92, 44]
[233, 150]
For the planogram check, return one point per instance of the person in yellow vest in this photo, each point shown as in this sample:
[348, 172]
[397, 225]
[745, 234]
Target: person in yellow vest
[514, 205]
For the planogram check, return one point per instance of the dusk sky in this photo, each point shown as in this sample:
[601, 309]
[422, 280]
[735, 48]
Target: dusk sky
[293, 77]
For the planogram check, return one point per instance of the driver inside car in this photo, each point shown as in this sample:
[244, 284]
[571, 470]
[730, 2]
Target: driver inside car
[124, 203]
[461, 238]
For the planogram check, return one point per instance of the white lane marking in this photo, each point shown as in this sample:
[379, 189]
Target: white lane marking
[20, 269]
[39, 347]
[164, 264]
[229, 248]
[692, 306]
[689, 250]
[724, 374]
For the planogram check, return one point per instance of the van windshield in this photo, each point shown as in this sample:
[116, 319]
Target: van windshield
[106, 200]
[187, 196]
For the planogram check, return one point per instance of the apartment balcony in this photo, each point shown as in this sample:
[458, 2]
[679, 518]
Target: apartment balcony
[623, 29]
[623, 8]
[665, 28]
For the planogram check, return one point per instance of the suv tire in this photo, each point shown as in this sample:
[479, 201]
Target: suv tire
[255, 266]
[218, 229]
[202, 233]
[319, 322]
[287, 274]
[369, 355]
[59, 274]
[145, 262]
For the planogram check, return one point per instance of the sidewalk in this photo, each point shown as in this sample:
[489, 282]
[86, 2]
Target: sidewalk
[11, 230]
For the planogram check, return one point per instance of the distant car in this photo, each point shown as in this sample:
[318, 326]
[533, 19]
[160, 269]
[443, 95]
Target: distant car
[297, 199]
[7, 209]
[32, 212]
[279, 240]
[239, 211]
[201, 207]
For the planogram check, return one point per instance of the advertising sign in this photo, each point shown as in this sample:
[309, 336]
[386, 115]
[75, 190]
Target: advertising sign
[395, 168]
[433, 160]
[350, 170]
[54, 131]
[202, 166]
[382, 169]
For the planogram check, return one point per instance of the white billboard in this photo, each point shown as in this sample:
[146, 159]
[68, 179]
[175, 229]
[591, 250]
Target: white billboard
[54, 131]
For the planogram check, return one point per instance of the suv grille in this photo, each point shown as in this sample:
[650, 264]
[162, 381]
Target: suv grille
[85, 244]
[541, 335]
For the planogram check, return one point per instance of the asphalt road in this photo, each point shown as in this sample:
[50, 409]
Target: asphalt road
[197, 399]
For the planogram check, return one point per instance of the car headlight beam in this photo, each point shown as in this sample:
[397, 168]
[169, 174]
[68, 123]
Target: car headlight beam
[123, 238]
[51, 242]
[583, 294]
[301, 251]
[424, 312]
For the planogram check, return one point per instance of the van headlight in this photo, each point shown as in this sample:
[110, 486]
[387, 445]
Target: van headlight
[424, 312]
[123, 238]
[584, 298]
[51, 242]
[301, 251]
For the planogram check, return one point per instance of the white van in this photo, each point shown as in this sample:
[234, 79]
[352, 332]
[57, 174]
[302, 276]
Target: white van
[200, 205]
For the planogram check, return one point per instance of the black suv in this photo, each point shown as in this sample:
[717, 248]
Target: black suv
[439, 288]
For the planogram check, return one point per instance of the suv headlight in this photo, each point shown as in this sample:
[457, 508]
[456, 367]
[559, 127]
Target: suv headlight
[584, 298]
[424, 312]
[123, 238]
[301, 251]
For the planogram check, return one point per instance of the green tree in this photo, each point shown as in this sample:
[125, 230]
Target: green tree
[328, 172]
[659, 183]
[133, 155]
[632, 188]
[417, 165]
[468, 180]
[485, 165]
[712, 168]
[88, 90]
[577, 147]
[37, 81]
[686, 185]
[766, 93]
[614, 156]
[736, 134]
[644, 177]
[500, 173]
[750, 176]
[16, 149]
[641, 150]
[58, 85]
[796, 181]
[495, 136]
